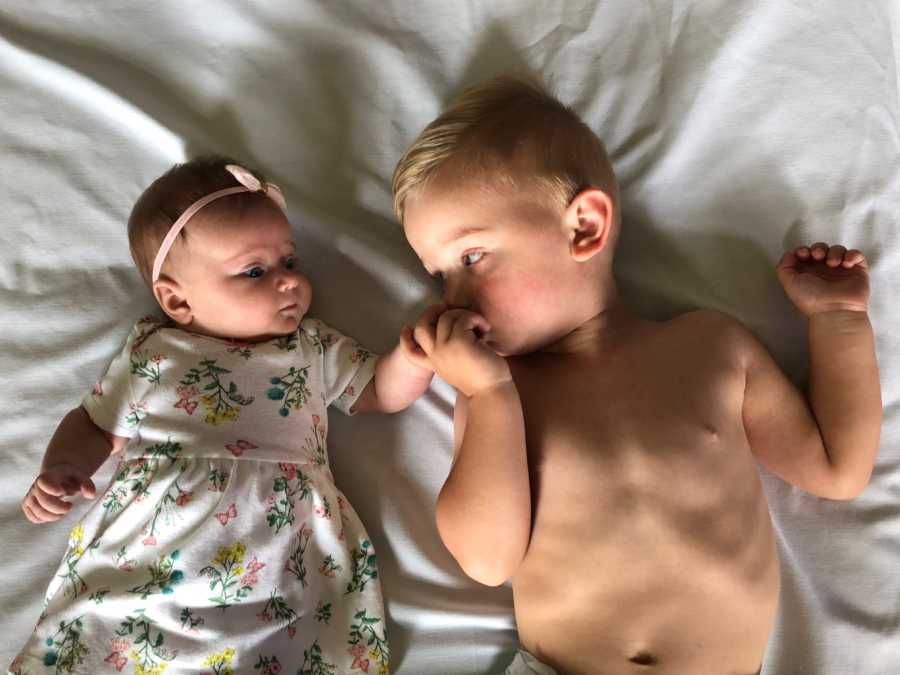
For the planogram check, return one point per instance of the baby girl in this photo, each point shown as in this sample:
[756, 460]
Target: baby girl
[222, 543]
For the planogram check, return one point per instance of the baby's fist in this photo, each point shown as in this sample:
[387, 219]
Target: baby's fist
[822, 278]
[44, 501]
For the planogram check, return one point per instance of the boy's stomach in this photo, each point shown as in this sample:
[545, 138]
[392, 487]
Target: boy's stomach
[664, 573]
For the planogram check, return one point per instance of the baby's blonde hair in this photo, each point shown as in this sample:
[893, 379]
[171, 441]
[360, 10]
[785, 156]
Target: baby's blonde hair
[171, 194]
[508, 132]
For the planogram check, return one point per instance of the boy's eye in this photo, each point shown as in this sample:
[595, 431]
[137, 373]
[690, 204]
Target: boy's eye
[472, 258]
[254, 272]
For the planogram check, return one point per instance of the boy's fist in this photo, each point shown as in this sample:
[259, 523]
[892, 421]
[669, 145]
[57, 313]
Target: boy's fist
[451, 339]
[822, 278]
[44, 501]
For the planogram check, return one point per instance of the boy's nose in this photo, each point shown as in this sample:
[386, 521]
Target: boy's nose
[454, 296]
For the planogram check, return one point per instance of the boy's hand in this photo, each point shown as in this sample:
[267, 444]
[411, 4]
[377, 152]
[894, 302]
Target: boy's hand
[451, 340]
[44, 503]
[820, 278]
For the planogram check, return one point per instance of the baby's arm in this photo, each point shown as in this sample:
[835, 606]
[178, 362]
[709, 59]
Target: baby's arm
[826, 446]
[484, 508]
[401, 376]
[75, 452]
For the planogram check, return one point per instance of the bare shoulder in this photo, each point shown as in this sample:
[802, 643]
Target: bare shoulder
[717, 331]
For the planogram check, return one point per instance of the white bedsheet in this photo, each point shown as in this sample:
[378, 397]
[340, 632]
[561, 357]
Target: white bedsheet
[737, 128]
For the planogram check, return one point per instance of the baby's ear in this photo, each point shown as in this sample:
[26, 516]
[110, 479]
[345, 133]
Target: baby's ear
[588, 221]
[170, 296]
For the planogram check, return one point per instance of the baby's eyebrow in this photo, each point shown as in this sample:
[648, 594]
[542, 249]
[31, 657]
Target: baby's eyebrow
[253, 251]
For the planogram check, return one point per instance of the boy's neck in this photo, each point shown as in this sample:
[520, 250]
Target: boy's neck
[600, 334]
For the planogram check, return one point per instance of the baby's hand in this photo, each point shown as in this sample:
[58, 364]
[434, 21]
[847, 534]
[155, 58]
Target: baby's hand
[43, 503]
[412, 351]
[822, 278]
[451, 341]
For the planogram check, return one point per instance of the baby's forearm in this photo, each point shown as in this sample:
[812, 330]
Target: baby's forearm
[398, 383]
[79, 442]
[484, 508]
[844, 391]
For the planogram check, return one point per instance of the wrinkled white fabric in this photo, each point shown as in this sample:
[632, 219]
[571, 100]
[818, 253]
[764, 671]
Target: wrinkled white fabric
[737, 127]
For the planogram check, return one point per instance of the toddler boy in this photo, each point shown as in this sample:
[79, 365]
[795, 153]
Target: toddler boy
[603, 462]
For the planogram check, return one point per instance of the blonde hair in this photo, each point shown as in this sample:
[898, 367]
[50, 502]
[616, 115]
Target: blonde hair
[508, 132]
[171, 194]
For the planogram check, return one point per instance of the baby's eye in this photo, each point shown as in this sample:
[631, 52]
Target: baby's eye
[291, 262]
[472, 258]
[254, 272]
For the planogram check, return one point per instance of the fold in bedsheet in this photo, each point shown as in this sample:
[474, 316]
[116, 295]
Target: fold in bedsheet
[737, 128]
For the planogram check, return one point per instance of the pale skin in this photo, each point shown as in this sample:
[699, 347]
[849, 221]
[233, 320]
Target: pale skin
[232, 277]
[607, 464]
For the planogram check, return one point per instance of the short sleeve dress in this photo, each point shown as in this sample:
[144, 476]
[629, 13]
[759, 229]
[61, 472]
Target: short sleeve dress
[222, 544]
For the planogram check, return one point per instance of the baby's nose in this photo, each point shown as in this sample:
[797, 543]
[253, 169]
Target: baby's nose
[288, 281]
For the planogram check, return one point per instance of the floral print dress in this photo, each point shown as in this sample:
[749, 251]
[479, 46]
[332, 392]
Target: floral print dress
[222, 544]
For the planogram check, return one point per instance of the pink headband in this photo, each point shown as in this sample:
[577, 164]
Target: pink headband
[249, 183]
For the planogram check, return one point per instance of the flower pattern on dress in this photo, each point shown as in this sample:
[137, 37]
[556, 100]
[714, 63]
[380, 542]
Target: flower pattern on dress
[220, 662]
[364, 565]
[148, 650]
[145, 366]
[190, 622]
[295, 564]
[73, 584]
[314, 663]
[67, 649]
[229, 559]
[218, 403]
[268, 665]
[290, 388]
[277, 608]
[137, 414]
[291, 487]
[163, 577]
[239, 447]
[364, 635]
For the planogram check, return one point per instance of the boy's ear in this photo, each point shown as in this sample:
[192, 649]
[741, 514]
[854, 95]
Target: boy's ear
[170, 296]
[588, 220]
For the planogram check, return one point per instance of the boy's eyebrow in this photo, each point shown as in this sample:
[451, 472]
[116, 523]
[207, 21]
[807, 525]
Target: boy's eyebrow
[464, 232]
[458, 234]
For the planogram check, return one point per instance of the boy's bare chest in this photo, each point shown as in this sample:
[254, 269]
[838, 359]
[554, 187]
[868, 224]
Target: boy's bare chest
[641, 476]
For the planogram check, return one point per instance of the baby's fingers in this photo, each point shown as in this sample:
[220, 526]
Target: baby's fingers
[88, 491]
[35, 512]
[412, 350]
[51, 503]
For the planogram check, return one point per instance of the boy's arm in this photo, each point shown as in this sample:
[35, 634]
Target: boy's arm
[75, 452]
[826, 446]
[484, 508]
